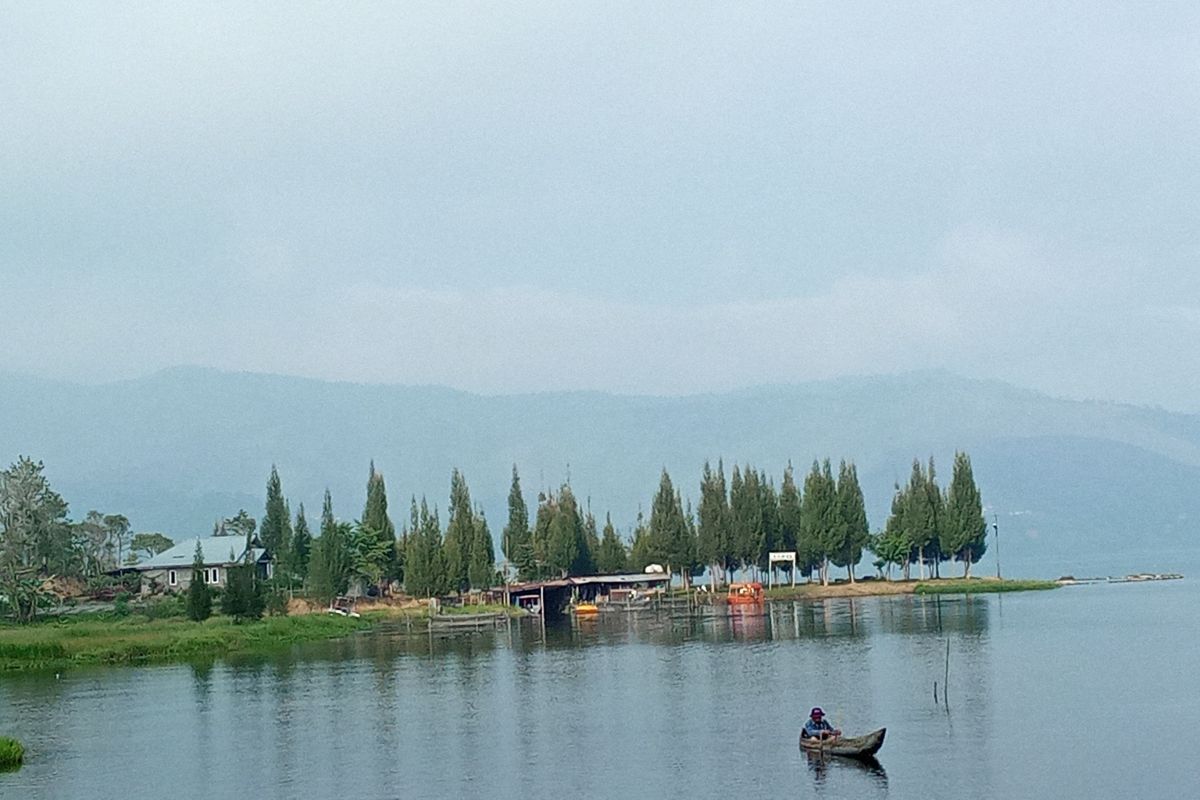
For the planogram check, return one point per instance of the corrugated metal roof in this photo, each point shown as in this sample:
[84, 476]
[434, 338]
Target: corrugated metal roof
[630, 578]
[218, 551]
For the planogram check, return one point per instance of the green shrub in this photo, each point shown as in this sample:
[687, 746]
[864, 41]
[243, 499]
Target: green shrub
[170, 607]
[11, 753]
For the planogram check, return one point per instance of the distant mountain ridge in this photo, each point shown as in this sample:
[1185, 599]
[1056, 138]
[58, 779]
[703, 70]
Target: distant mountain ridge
[178, 449]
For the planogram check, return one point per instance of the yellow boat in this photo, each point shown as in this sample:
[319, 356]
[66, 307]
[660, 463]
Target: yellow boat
[586, 609]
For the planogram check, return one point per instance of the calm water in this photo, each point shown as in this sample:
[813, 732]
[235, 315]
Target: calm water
[1083, 692]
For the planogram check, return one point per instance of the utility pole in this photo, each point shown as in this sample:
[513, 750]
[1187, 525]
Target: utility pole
[996, 531]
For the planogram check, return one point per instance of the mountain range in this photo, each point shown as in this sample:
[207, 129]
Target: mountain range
[1064, 480]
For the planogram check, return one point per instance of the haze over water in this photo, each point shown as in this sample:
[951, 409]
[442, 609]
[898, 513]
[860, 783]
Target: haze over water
[1040, 683]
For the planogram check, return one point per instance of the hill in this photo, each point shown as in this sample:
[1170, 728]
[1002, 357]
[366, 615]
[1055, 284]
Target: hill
[176, 450]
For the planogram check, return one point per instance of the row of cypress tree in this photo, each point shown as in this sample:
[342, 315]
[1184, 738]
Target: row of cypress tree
[928, 526]
[738, 524]
[735, 527]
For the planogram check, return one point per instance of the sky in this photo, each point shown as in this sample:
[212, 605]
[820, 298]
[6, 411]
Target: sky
[658, 198]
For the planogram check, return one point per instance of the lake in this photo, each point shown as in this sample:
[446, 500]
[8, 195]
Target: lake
[1087, 691]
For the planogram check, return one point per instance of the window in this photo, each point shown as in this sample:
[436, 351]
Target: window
[172, 578]
[212, 575]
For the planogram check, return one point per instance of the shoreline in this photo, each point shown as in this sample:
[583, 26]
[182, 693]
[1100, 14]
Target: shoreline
[883, 588]
[101, 639]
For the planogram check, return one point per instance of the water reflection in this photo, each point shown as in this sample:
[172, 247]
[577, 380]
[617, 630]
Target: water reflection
[706, 704]
[858, 776]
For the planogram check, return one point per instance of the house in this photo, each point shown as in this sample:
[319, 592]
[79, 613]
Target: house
[171, 570]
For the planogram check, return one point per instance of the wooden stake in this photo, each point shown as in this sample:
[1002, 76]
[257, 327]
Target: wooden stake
[946, 683]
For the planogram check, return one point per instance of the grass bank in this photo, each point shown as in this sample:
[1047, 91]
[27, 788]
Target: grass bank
[12, 753]
[66, 642]
[978, 585]
[874, 588]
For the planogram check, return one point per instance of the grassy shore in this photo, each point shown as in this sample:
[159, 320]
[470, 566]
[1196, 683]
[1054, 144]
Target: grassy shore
[977, 585]
[66, 642]
[12, 753]
[815, 591]
[58, 643]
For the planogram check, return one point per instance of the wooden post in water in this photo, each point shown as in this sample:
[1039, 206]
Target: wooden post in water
[946, 682]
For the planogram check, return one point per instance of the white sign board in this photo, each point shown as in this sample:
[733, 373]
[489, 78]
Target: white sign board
[786, 557]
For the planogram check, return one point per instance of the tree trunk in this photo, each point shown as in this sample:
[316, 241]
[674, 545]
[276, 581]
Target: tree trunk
[850, 571]
[967, 567]
[921, 561]
[825, 572]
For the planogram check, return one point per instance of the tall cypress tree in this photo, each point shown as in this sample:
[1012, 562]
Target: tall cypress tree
[820, 526]
[892, 545]
[375, 520]
[565, 539]
[276, 529]
[591, 546]
[416, 557]
[516, 541]
[612, 559]
[745, 505]
[713, 529]
[540, 537]
[770, 536]
[482, 569]
[964, 532]
[789, 515]
[199, 597]
[852, 512]
[460, 533]
[669, 534]
[301, 548]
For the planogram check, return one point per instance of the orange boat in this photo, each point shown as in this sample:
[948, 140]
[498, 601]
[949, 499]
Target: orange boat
[586, 609]
[745, 594]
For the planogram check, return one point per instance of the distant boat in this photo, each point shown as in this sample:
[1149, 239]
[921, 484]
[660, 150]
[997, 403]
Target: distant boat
[846, 746]
[744, 594]
[586, 609]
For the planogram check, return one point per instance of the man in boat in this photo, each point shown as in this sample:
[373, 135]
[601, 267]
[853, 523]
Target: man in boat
[818, 727]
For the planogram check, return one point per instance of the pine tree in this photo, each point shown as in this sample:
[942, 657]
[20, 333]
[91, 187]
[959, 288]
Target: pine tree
[641, 552]
[745, 505]
[964, 532]
[425, 574]
[301, 548]
[770, 536]
[892, 545]
[275, 533]
[713, 529]
[612, 558]
[669, 533]
[565, 535]
[591, 542]
[789, 515]
[331, 562]
[375, 520]
[540, 537]
[199, 597]
[482, 569]
[460, 533]
[820, 526]
[516, 542]
[852, 512]
[243, 598]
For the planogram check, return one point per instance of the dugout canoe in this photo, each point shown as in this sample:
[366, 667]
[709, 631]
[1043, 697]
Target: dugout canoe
[846, 746]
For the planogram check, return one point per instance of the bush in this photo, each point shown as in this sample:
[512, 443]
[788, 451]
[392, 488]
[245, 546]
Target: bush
[277, 602]
[12, 753]
[170, 607]
[121, 604]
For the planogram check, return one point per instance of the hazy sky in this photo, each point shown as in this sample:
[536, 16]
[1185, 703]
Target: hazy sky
[640, 197]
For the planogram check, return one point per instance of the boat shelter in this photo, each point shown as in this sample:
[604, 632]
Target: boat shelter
[553, 596]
